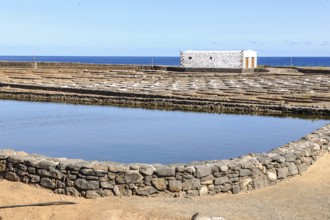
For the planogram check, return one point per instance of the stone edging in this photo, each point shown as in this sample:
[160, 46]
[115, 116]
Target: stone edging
[95, 179]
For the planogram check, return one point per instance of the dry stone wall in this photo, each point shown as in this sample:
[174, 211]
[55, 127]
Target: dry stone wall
[96, 179]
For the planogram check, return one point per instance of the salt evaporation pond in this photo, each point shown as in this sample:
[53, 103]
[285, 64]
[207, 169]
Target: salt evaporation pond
[139, 135]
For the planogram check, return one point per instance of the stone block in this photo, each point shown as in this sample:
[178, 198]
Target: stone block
[221, 180]
[146, 191]
[129, 178]
[159, 183]
[302, 167]
[174, 186]
[191, 184]
[106, 185]
[260, 182]
[203, 170]
[92, 194]
[11, 176]
[208, 180]
[147, 170]
[87, 185]
[271, 174]
[71, 191]
[244, 172]
[282, 173]
[292, 169]
[165, 171]
[107, 193]
[203, 191]
[48, 183]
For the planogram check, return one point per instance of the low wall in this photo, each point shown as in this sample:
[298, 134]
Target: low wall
[95, 179]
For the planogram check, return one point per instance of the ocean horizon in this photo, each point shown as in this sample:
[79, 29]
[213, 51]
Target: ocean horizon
[164, 60]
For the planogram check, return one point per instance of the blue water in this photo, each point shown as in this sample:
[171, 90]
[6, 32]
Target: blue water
[140, 135]
[168, 61]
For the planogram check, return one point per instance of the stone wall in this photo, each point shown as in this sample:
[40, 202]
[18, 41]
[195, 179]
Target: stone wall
[95, 179]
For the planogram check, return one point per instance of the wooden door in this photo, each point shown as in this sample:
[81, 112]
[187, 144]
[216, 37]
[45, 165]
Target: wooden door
[252, 62]
[246, 62]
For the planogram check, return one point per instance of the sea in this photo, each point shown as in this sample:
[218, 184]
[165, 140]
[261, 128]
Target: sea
[166, 61]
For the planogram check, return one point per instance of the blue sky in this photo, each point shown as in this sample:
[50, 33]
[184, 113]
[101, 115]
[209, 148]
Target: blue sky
[163, 28]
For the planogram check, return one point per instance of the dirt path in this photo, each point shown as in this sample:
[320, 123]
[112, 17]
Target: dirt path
[303, 197]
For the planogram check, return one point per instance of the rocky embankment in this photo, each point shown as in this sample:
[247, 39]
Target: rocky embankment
[96, 179]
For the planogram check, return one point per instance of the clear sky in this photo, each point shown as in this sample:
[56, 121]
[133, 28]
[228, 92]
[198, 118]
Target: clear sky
[163, 28]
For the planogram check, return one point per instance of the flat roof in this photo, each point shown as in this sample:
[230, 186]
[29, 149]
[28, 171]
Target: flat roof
[218, 51]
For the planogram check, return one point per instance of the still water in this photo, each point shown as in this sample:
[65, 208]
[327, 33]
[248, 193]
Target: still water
[139, 135]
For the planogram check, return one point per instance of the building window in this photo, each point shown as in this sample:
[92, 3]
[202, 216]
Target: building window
[190, 58]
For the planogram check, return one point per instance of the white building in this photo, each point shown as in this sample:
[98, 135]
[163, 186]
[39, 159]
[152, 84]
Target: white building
[244, 59]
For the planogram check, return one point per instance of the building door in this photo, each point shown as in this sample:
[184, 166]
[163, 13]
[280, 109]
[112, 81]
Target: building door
[252, 63]
[246, 62]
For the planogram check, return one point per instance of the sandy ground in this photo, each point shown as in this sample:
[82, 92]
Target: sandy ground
[302, 197]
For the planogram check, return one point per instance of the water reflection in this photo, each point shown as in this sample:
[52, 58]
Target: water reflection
[139, 135]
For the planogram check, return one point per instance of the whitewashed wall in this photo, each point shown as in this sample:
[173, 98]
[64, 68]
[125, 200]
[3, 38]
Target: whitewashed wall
[212, 59]
[217, 59]
[249, 54]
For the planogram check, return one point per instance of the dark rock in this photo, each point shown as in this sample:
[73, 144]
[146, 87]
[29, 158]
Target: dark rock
[59, 191]
[15, 159]
[31, 170]
[91, 172]
[165, 171]
[146, 191]
[21, 167]
[26, 179]
[87, 185]
[60, 184]
[92, 178]
[71, 191]
[48, 183]
[21, 173]
[106, 185]
[128, 178]
[35, 178]
[45, 164]
[11, 176]
[69, 183]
